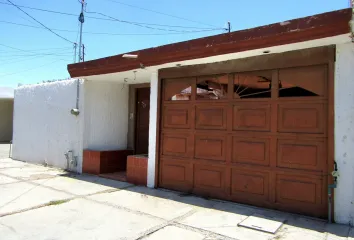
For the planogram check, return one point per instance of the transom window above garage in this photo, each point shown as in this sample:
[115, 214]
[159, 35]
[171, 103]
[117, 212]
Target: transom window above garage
[212, 87]
[252, 85]
[178, 89]
[309, 81]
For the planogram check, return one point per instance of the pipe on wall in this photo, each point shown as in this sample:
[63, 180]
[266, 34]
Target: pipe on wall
[75, 111]
[330, 187]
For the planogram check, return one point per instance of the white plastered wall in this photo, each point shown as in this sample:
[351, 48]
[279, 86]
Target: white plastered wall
[344, 133]
[152, 129]
[106, 115]
[44, 128]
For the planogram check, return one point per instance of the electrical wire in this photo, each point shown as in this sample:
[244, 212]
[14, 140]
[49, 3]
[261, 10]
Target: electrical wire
[38, 54]
[30, 51]
[161, 13]
[136, 24]
[14, 48]
[40, 23]
[16, 51]
[112, 34]
[30, 69]
[20, 59]
[108, 19]
[78, 32]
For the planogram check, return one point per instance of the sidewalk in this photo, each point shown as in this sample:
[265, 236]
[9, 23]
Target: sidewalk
[44, 203]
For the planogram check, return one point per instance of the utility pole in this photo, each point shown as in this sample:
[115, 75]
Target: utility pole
[83, 52]
[81, 20]
[75, 47]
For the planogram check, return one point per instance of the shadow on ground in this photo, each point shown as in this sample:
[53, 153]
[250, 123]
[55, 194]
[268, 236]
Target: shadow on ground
[292, 220]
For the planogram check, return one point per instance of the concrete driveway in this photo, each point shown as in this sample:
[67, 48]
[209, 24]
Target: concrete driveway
[38, 202]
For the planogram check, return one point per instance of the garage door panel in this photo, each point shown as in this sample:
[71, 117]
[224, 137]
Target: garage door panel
[177, 144]
[298, 190]
[256, 137]
[301, 118]
[301, 154]
[250, 150]
[251, 117]
[212, 147]
[254, 184]
[209, 177]
[211, 117]
[177, 175]
[177, 116]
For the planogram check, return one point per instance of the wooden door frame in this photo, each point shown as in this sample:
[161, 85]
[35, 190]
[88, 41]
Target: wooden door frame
[296, 58]
[330, 121]
[132, 109]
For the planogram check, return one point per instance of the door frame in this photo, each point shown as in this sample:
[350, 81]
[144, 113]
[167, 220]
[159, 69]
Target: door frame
[296, 58]
[131, 138]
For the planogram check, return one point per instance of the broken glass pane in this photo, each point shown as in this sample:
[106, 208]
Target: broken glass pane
[212, 87]
[177, 90]
[253, 85]
[302, 81]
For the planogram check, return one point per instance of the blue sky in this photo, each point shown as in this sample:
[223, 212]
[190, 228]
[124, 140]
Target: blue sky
[46, 55]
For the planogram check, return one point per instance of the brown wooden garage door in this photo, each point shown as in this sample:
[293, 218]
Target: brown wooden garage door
[258, 137]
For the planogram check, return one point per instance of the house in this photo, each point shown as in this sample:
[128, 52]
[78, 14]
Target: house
[6, 113]
[262, 116]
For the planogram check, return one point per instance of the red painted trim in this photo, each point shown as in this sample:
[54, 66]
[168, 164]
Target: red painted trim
[292, 31]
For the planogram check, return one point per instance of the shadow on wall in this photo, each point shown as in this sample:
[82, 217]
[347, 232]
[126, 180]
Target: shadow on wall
[6, 119]
[294, 220]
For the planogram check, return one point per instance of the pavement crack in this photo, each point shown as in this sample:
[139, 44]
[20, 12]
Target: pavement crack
[209, 234]
[30, 208]
[8, 227]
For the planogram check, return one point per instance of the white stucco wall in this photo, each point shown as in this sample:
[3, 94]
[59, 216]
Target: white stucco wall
[344, 133]
[44, 128]
[152, 129]
[106, 115]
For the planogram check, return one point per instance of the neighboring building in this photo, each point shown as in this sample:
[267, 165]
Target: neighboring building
[6, 113]
[258, 116]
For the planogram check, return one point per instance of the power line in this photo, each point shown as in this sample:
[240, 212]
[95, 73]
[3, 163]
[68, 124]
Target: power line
[38, 54]
[40, 22]
[30, 51]
[108, 19]
[14, 48]
[30, 69]
[161, 13]
[16, 51]
[136, 24]
[25, 58]
[112, 34]
[21, 59]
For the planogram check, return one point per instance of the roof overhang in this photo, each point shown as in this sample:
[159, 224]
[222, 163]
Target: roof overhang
[319, 26]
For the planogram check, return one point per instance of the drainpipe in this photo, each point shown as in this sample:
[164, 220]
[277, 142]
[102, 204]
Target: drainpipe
[75, 111]
[71, 160]
[330, 187]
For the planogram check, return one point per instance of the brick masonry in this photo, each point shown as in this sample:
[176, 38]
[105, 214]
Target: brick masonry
[137, 169]
[98, 162]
